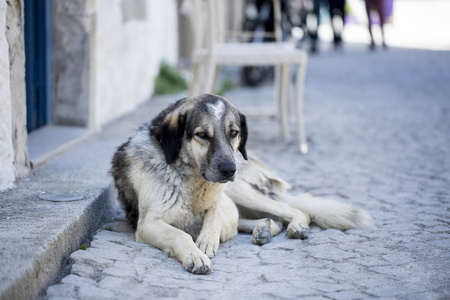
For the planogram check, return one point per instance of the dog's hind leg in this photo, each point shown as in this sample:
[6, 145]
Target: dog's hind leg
[262, 229]
[246, 196]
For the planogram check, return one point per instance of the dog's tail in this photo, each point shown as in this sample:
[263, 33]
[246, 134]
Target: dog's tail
[328, 213]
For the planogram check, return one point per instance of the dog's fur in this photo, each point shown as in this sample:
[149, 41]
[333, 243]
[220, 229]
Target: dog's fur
[172, 176]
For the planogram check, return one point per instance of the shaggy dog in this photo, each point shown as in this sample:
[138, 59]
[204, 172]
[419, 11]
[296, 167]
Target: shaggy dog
[185, 188]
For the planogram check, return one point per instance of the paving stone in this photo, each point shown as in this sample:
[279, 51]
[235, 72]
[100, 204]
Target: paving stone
[398, 272]
[83, 270]
[384, 291]
[89, 257]
[118, 284]
[287, 292]
[92, 292]
[77, 280]
[329, 252]
[61, 291]
[372, 250]
[369, 261]
[439, 229]
[347, 267]
[119, 272]
[60, 298]
[332, 287]
[112, 236]
[398, 257]
[346, 295]
[115, 251]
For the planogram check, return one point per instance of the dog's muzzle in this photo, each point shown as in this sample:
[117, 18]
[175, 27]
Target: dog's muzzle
[227, 170]
[223, 173]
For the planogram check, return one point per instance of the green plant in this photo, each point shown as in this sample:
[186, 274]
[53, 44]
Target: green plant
[169, 80]
[225, 86]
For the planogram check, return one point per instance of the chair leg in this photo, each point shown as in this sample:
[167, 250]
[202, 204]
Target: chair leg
[277, 93]
[300, 90]
[208, 86]
[288, 92]
[215, 78]
[200, 79]
[193, 89]
[284, 84]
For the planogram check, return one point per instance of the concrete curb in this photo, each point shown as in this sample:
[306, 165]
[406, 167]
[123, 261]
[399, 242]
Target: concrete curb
[50, 257]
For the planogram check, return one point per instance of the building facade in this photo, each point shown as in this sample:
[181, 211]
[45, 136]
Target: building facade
[79, 63]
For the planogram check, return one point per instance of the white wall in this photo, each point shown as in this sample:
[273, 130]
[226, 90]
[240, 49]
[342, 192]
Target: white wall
[6, 143]
[128, 52]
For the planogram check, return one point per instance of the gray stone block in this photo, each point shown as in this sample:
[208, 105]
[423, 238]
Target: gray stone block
[89, 257]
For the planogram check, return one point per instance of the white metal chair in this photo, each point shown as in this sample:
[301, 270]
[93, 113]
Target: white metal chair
[211, 52]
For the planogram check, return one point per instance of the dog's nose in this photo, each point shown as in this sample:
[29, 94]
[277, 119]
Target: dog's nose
[227, 169]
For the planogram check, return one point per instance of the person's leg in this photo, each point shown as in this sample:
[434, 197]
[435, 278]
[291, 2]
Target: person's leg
[312, 23]
[337, 15]
[382, 14]
[368, 8]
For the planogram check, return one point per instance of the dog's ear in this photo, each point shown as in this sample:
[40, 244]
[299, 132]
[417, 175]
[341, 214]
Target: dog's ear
[168, 129]
[244, 135]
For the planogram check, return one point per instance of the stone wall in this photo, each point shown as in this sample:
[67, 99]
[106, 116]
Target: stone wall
[13, 136]
[15, 37]
[6, 144]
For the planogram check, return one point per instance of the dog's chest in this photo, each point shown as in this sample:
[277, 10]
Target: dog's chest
[189, 222]
[204, 194]
[197, 199]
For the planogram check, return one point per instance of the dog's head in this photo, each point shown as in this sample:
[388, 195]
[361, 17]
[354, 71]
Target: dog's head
[209, 129]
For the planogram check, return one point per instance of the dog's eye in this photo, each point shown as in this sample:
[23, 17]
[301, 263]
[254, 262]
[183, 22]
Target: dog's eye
[202, 135]
[234, 132]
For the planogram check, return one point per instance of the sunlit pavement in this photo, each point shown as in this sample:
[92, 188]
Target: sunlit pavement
[420, 24]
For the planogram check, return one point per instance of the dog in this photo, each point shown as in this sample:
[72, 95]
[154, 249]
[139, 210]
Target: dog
[180, 179]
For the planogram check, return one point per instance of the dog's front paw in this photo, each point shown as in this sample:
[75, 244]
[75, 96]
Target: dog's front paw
[297, 231]
[197, 263]
[208, 243]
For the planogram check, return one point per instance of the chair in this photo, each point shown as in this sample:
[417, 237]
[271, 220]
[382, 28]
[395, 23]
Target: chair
[211, 52]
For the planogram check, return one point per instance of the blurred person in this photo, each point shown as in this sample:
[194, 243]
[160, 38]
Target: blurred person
[379, 7]
[337, 17]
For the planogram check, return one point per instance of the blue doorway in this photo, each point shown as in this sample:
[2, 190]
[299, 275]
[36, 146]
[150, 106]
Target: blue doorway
[37, 15]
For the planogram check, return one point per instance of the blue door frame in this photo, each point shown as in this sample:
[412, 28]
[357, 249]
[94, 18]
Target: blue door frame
[37, 15]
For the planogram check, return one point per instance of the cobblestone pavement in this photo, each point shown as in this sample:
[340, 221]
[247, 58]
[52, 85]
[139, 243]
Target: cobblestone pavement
[378, 127]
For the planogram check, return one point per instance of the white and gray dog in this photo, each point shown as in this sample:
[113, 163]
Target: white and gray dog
[185, 190]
